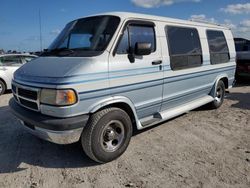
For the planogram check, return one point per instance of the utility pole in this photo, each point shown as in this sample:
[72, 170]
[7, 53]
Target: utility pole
[40, 29]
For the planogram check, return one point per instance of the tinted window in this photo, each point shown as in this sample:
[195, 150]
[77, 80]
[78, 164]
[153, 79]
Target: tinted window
[218, 48]
[136, 33]
[184, 47]
[11, 61]
[123, 45]
[144, 34]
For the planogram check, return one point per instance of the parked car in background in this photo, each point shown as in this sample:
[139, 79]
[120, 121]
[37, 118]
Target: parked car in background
[243, 58]
[9, 63]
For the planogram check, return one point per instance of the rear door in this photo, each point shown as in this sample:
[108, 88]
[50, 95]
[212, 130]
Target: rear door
[139, 78]
[183, 81]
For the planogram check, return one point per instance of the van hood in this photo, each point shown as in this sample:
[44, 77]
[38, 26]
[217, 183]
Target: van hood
[54, 70]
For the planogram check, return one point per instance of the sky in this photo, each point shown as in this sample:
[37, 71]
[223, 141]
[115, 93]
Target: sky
[19, 19]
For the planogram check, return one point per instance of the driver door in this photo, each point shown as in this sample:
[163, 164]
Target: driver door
[138, 78]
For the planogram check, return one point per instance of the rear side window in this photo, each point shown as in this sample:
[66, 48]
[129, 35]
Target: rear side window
[134, 34]
[184, 47]
[218, 48]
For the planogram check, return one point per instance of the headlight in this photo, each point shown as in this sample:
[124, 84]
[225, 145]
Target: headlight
[58, 97]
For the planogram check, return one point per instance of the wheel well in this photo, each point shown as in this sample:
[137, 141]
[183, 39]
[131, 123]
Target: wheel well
[225, 80]
[4, 82]
[126, 108]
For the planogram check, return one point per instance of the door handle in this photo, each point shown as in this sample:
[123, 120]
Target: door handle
[157, 62]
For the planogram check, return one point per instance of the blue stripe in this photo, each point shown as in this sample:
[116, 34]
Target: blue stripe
[110, 72]
[148, 106]
[184, 95]
[173, 98]
[123, 90]
[152, 85]
[198, 74]
[93, 80]
[106, 78]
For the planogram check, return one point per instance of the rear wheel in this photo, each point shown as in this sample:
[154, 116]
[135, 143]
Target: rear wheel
[107, 135]
[2, 87]
[219, 95]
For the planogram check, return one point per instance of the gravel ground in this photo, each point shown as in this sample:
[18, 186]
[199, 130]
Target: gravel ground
[204, 148]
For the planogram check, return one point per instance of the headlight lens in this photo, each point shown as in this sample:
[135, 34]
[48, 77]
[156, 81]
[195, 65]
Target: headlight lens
[58, 97]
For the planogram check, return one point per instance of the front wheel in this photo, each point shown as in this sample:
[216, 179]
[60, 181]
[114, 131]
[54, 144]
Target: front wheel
[219, 95]
[107, 135]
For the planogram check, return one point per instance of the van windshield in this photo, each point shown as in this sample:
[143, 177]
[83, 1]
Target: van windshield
[84, 37]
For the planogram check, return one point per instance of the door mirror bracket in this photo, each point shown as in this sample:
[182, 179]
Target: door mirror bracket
[143, 48]
[140, 49]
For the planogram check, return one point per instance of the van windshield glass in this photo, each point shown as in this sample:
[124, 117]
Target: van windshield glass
[84, 37]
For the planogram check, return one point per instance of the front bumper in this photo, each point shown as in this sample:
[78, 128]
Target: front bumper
[56, 130]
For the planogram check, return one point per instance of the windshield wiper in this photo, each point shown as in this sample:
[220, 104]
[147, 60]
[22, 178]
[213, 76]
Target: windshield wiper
[59, 52]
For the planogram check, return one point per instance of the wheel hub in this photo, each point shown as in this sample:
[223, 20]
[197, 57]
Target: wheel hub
[218, 94]
[113, 136]
[109, 135]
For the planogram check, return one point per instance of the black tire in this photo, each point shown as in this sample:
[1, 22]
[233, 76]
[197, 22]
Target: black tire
[99, 132]
[2, 87]
[219, 96]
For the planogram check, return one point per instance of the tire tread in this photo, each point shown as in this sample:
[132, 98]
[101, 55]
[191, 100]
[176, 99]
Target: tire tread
[87, 132]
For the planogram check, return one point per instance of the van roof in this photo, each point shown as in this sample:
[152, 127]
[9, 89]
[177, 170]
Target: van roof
[125, 15]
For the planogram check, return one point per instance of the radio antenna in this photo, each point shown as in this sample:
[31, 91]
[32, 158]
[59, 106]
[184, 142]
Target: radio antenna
[40, 30]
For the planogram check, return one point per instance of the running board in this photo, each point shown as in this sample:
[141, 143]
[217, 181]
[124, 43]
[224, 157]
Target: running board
[150, 121]
[171, 113]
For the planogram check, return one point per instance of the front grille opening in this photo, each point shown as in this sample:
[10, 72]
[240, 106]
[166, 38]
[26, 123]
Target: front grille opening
[28, 104]
[27, 93]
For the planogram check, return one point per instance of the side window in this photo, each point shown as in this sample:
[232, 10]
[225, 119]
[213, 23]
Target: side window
[26, 59]
[123, 45]
[218, 48]
[12, 61]
[134, 34]
[184, 47]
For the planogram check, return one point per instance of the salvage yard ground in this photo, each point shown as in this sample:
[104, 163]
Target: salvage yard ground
[204, 148]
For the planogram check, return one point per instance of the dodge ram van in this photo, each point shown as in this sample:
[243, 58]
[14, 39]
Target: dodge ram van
[106, 74]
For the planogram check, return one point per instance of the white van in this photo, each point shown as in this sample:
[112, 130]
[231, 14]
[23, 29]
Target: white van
[107, 74]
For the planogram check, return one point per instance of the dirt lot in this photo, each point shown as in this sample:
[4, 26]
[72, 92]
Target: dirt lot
[204, 148]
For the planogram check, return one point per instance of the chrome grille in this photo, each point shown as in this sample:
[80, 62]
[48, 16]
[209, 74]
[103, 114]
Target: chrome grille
[26, 96]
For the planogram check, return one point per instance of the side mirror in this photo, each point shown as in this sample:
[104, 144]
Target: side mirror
[142, 48]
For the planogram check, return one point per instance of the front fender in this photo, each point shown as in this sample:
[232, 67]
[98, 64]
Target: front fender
[114, 100]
